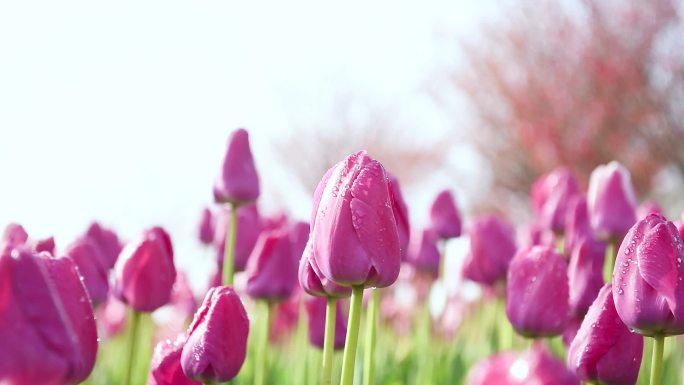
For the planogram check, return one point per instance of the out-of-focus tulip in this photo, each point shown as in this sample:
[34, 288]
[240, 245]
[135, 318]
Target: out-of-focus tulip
[238, 181]
[316, 308]
[47, 327]
[611, 201]
[401, 215]
[648, 287]
[299, 235]
[444, 217]
[577, 224]
[571, 329]
[551, 195]
[248, 230]
[492, 245]
[144, 273]
[214, 351]
[14, 235]
[285, 317]
[533, 234]
[46, 244]
[111, 316]
[182, 296]
[165, 368]
[206, 227]
[315, 283]
[107, 241]
[353, 232]
[605, 351]
[648, 207]
[585, 274]
[275, 221]
[272, 270]
[90, 262]
[423, 252]
[537, 292]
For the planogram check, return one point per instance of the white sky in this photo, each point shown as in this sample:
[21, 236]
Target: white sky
[119, 111]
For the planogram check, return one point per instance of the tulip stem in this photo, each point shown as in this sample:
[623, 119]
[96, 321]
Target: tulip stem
[262, 347]
[349, 357]
[371, 331]
[229, 249]
[442, 260]
[609, 264]
[132, 343]
[329, 340]
[657, 359]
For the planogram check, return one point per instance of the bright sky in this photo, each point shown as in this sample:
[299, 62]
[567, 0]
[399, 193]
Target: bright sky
[119, 111]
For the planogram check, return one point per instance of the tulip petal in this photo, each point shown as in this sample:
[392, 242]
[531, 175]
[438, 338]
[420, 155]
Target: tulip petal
[657, 257]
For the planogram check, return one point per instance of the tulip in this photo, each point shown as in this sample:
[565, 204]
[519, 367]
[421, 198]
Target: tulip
[238, 181]
[315, 283]
[47, 327]
[423, 252]
[165, 368]
[648, 207]
[14, 235]
[299, 235]
[585, 274]
[285, 317]
[611, 201]
[206, 227]
[533, 234]
[46, 244]
[537, 292]
[577, 224]
[245, 222]
[274, 222]
[182, 297]
[604, 350]
[217, 338]
[272, 270]
[492, 245]
[444, 217]
[87, 256]
[107, 241]
[551, 196]
[316, 309]
[401, 215]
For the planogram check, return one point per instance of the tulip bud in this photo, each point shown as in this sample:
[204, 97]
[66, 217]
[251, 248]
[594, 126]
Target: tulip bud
[444, 217]
[299, 235]
[14, 235]
[272, 270]
[611, 201]
[492, 245]
[47, 245]
[577, 224]
[238, 181]
[353, 233]
[551, 195]
[401, 215]
[315, 283]
[423, 252]
[107, 241]
[647, 280]
[92, 267]
[537, 292]
[604, 350]
[205, 229]
[144, 273]
[248, 230]
[47, 327]
[585, 274]
[165, 368]
[316, 309]
[217, 338]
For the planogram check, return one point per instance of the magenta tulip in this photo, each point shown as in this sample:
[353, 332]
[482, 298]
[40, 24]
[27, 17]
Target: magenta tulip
[551, 196]
[611, 201]
[248, 229]
[537, 292]
[533, 234]
[299, 235]
[275, 221]
[144, 273]
[444, 217]
[238, 181]
[272, 269]
[604, 350]
[206, 227]
[353, 231]
[46, 244]
[401, 215]
[492, 245]
[648, 207]
[577, 224]
[647, 280]
[423, 253]
[217, 338]
[47, 327]
[585, 274]
[107, 241]
[315, 308]
[165, 368]
[87, 256]
[315, 283]
[14, 235]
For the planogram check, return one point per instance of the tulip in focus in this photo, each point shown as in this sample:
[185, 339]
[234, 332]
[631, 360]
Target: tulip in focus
[238, 181]
[165, 368]
[604, 350]
[315, 308]
[217, 338]
[492, 245]
[611, 201]
[444, 217]
[551, 196]
[315, 283]
[537, 292]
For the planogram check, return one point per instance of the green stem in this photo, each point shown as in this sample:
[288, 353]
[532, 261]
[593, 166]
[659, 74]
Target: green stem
[329, 341]
[371, 331]
[349, 357]
[262, 348]
[560, 244]
[302, 346]
[209, 382]
[442, 257]
[657, 359]
[135, 321]
[229, 250]
[609, 263]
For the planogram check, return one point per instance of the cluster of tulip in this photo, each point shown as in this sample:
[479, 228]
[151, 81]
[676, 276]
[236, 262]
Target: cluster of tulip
[563, 277]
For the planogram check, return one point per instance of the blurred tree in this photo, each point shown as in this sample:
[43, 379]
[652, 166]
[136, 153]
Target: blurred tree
[577, 83]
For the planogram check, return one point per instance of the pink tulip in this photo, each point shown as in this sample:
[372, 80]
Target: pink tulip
[444, 217]
[423, 252]
[47, 327]
[272, 270]
[611, 201]
[274, 222]
[206, 227]
[551, 195]
[14, 235]
[316, 308]
[46, 244]
[248, 230]
[537, 292]
[492, 245]
[165, 368]
[353, 231]
[577, 224]
[144, 273]
[87, 256]
[315, 283]
[605, 351]
[238, 181]
[401, 215]
[299, 235]
[533, 234]
[585, 274]
[648, 207]
[107, 241]
[214, 351]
